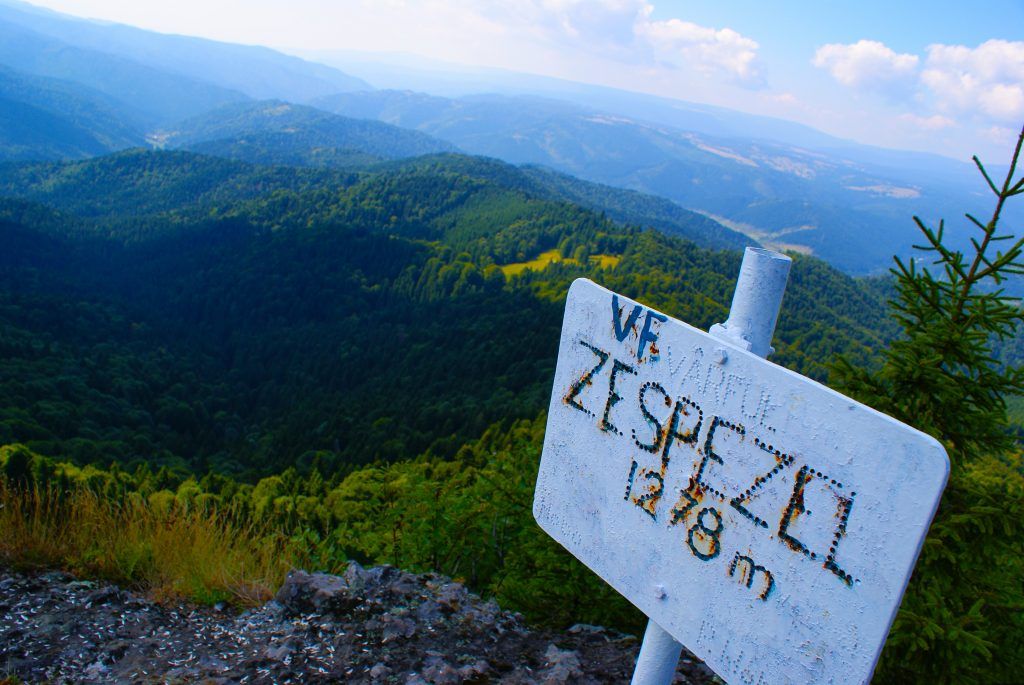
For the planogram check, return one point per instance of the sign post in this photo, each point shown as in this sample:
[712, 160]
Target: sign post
[755, 308]
[767, 522]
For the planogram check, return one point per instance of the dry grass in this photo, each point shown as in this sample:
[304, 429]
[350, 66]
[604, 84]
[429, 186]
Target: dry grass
[170, 552]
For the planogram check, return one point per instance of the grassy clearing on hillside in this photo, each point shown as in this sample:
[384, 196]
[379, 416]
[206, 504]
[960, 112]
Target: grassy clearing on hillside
[541, 261]
[170, 551]
[537, 264]
[605, 261]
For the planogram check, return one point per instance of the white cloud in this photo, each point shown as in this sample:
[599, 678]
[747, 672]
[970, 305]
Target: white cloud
[980, 88]
[625, 31]
[988, 79]
[935, 122]
[868, 65]
[784, 99]
[1002, 136]
[594, 24]
[721, 50]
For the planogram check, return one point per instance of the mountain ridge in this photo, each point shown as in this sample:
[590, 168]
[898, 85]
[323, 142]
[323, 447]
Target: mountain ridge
[79, 187]
[47, 118]
[847, 212]
[281, 128]
[256, 71]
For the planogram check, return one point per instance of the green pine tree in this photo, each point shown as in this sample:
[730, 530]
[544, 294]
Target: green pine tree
[962, 620]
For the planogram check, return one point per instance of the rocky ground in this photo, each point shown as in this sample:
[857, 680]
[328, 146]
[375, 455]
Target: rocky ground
[376, 625]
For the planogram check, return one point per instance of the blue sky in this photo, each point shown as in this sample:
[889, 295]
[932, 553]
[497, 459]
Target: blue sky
[903, 25]
[940, 76]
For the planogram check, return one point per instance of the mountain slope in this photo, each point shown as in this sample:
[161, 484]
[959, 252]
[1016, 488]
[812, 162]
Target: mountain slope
[276, 132]
[623, 206]
[839, 203]
[406, 73]
[257, 72]
[49, 119]
[336, 319]
[136, 182]
[629, 206]
[417, 73]
[148, 95]
[854, 215]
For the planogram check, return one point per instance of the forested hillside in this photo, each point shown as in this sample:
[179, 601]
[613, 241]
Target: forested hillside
[208, 314]
[44, 118]
[298, 348]
[193, 184]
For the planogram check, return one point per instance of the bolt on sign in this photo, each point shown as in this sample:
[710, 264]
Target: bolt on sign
[766, 522]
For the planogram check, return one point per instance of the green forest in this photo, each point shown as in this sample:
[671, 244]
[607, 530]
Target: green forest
[353, 363]
[342, 318]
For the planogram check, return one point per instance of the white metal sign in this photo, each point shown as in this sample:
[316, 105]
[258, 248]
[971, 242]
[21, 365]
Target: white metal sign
[766, 522]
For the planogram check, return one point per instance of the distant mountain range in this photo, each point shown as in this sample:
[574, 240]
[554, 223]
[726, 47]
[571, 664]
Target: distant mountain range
[277, 132]
[232, 70]
[414, 73]
[73, 88]
[855, 214]
[52, 119]
[146, 96]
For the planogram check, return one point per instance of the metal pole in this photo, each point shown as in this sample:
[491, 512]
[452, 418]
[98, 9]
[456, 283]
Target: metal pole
[756, 302]
[750, 326]
[658, 658]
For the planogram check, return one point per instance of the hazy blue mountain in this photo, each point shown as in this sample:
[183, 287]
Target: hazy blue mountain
[642, 209]
[852, 213]
[391, 71]
[44, 118]
[413, 72]
[298, 149]
[276, 132]
[257, 72]
[279, 133]
[781, 184]
[147, 95]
